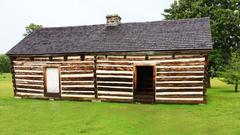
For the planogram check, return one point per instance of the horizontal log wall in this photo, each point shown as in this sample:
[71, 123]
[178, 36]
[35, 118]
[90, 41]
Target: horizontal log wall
[114, 78]
[179, 78]
[76, 76]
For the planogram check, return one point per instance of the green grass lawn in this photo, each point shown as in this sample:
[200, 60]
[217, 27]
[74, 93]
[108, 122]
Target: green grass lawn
[220, 116]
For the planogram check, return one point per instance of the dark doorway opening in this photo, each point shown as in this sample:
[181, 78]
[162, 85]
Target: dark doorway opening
[145, 84]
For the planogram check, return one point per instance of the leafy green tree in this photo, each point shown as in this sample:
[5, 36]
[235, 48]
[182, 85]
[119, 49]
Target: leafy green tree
[231, 74]
[5, 66]
[225, 25]
[31, 28]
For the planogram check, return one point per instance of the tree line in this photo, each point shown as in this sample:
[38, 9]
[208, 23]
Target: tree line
[224, 59]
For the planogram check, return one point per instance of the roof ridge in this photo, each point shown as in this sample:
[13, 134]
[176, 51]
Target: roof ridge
[160, 21]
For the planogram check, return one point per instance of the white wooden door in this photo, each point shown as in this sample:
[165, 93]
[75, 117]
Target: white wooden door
[52, 78]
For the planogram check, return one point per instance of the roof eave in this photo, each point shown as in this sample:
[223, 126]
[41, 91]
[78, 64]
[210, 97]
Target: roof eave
[149, 52]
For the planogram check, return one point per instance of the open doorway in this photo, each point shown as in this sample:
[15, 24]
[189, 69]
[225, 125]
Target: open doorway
[144, 84]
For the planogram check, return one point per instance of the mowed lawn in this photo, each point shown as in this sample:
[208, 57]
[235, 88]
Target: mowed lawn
[220, 116]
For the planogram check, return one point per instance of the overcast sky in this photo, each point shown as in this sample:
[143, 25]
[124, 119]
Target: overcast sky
[16, 14]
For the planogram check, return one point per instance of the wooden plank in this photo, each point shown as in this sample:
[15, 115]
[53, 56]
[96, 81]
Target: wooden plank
[28, 86]
[77, 79]
[25, 80]
[180, 96]
[118, 82]
[28, 68]
[115, 79]
[41, 59]
[115, 63]
[178, 90]
[77, 75]
[178, 68]
[180, 74]
[77, 93]
[62, 63]
[180, 56]
[29, 82]
[136, 59]
[73, 57]
[77, 64]
[113, 76]
[114, 89]
[119, 95]
[180, 99]
[77, 83]
[79, 88]
[121, 59]
[180, 63]
[114, 97]
[200, 87]
[160, 57]
[71, 86]
[180, 93]
[105, 65]
[86, 58]
[183, 60]
[28, 89]
[29, 77]
[22, 59]
[179, 79]
[77, 72]
[114, 68]
[113, 72]
[76, 68]
[18, 93]
[115, 84]
[29, 73]
[76, 96]
[186, 72]
[58, 58]
[179, 84]
[115, 93]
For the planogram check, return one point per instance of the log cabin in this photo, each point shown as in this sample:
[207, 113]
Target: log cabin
[148, 62]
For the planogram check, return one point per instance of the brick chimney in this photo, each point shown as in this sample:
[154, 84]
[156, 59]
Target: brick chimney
[113, 20]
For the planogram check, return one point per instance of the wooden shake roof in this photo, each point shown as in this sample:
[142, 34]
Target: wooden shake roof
[185, 34]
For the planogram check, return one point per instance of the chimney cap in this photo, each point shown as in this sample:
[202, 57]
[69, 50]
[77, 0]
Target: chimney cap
[113, 19]
[113, 15]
